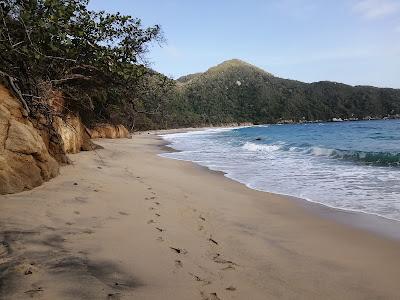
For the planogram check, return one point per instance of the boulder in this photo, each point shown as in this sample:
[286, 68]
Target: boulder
[24, 139]
[24, 159]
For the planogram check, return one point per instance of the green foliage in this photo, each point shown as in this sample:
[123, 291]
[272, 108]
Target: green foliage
[92, 57]
[235, 91]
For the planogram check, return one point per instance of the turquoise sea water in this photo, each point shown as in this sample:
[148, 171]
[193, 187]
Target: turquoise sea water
[347, 165]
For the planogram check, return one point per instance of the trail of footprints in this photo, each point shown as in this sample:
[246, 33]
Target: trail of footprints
[216, 257]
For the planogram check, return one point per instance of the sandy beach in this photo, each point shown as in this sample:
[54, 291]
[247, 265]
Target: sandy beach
[125, 223]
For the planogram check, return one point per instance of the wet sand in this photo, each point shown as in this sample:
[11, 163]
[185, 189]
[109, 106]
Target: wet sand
[125, 223]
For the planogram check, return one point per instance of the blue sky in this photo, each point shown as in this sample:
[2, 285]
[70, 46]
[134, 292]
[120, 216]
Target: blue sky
[350, 41]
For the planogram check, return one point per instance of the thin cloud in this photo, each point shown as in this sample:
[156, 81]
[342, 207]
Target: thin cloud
[374, 9]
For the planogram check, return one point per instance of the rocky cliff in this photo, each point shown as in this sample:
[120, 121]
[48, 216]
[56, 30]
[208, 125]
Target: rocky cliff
[31, 150]
[24, 158]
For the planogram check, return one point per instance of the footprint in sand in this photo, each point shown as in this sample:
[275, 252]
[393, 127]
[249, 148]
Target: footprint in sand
[231, 288]
[198, 278]
[214, 296]
[34, 291]
[219, 260]
[228, 268]
[150, 221]
[212, 240]
[28, 272]
[113, 296]
[211, 296]
[178, 250]
[123, 213]
[178, 263]
[160, 239]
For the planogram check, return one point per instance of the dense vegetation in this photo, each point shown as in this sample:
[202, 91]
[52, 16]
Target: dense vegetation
[93, 58]
[96, 60]
[235, 91]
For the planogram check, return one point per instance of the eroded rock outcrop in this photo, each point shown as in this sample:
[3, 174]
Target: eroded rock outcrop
[31, 150]
[74, 134]
[24, 159]
[109, 131]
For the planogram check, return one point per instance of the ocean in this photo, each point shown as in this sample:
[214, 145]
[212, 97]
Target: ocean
[346, 165]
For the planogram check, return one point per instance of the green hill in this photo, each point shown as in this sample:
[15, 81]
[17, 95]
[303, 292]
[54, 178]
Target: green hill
[235, 91]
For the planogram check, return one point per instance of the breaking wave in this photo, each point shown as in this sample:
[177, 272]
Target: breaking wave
[390, 159]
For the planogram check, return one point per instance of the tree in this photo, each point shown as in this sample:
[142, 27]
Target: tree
[60, 44]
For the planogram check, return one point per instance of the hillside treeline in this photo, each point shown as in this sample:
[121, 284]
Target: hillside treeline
[235, 91]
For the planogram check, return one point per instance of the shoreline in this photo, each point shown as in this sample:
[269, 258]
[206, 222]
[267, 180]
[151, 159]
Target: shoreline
[127, 223]
[373, 223]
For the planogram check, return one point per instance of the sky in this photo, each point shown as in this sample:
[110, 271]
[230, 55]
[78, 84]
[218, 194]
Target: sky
[351, 41]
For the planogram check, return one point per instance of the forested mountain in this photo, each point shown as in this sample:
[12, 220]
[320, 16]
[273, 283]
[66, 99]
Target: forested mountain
[235, 91]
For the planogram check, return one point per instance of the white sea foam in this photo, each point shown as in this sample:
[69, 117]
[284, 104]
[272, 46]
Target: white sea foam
[310, 173]
[260, 147]
[319, 151]
[196, 132]
[210, 130]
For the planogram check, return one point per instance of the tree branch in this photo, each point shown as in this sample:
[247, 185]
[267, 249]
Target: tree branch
[73, 77]
[17, 91]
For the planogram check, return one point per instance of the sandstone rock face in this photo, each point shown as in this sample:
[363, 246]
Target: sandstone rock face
[31, 150]
[74, 135]
[24, 159]
[109, 131]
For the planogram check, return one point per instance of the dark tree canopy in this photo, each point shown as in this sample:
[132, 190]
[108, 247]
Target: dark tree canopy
[92, 57]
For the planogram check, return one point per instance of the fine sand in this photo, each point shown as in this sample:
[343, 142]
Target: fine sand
[125, 223]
